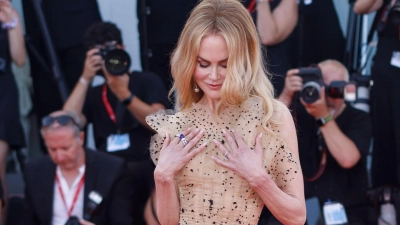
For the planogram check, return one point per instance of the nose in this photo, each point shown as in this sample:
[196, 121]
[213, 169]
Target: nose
[59, 157]
[214, 75]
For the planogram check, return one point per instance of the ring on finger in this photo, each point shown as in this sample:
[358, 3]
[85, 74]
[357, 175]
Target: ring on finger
[184, 141]
[226, 156]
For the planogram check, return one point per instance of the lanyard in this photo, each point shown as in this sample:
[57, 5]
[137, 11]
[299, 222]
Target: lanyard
[76, 194]
[252, 6]
[109, 109]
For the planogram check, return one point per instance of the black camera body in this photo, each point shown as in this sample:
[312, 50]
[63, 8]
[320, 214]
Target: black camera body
[312, 83]
[116, 61]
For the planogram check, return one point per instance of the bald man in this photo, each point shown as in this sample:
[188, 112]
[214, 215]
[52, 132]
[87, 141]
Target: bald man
[334, 140]
[75, 182]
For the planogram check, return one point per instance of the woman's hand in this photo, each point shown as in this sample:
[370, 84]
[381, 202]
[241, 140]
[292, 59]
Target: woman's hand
[7, 13]
[175, 154]
[243, 160]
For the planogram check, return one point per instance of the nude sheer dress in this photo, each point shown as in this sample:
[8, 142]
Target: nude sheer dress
[208, 192]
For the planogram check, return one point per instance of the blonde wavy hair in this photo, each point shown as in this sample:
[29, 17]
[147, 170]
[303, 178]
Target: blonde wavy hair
[246, 75]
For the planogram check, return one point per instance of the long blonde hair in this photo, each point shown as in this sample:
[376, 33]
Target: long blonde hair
[246, 75]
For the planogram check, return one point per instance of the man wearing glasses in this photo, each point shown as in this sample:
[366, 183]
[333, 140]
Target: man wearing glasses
[73, 183]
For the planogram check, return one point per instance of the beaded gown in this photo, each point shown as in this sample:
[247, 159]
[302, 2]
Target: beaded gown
[210, 193]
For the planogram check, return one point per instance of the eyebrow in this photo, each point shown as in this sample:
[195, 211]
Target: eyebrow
[224, 60]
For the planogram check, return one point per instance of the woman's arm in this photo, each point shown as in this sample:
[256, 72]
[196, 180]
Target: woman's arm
[167, 198]
[15, 34]
[173, 157]
[276, 26]
[367, 6]
[286, 204]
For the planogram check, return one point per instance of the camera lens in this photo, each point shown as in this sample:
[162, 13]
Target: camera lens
[310, 92]
[117, 62]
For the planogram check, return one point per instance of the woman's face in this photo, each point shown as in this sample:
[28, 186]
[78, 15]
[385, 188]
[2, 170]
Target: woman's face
[210, 70]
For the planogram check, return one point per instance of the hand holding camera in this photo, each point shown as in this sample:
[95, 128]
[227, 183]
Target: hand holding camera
[93, 64]
[293, 83]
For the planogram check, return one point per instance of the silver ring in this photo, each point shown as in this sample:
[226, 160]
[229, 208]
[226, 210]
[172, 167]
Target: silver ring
[226, 156]
[184, 141]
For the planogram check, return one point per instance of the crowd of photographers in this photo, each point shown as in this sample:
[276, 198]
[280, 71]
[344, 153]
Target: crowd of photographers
[73, 184]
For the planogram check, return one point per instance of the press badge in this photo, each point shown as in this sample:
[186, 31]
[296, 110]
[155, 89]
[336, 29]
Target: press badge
[395, 61]
[334, 213]
[118, 142]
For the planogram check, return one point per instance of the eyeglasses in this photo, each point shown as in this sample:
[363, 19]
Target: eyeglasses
[62, 120]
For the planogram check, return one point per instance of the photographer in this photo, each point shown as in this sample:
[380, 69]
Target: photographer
[117, 109]
[72, 184]
[333, 142]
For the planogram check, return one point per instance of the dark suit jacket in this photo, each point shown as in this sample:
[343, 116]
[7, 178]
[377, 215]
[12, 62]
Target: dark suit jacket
[104, 173]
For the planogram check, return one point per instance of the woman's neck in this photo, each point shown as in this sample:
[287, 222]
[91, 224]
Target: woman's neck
[211, 104]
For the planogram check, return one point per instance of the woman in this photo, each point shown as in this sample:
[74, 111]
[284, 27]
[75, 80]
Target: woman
[12, 48]
[232, 148]
[275, 21]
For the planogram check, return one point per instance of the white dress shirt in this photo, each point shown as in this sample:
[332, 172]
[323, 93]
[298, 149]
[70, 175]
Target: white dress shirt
[60, 210]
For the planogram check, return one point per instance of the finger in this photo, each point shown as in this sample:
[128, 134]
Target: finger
[222, 162]
[197, 150]
[322, 93]
[193, 142]
[167, 139]
[239, 139]
[177, 139]
[296, 79]
[221, 147]
[292, 72]
[192, 134]
[231, 141]
[258, 142]
[96, 61]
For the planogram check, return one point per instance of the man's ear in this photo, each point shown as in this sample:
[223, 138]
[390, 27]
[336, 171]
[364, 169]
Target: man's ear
[123, 47]
[82, 137]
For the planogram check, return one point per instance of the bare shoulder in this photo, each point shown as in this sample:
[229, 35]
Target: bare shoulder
[282, 117]
[285, 125]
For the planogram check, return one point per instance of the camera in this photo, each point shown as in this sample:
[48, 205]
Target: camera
[364, 84]
[92, 206]
[116, 61]
[73, 220]
[312, 83]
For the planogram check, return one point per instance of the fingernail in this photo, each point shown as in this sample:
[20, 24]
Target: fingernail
[260, 135]
[232, 130]
[212, 157]
[215, 141]
[205, 143]
[197, 129]
[223, 131]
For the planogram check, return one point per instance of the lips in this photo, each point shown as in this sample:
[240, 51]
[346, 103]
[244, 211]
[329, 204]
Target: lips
[214, 86]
